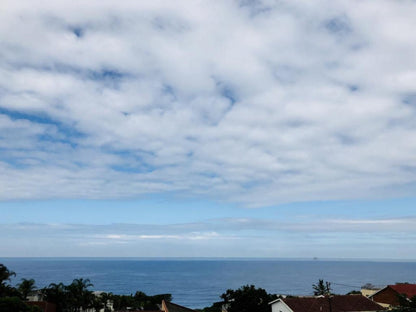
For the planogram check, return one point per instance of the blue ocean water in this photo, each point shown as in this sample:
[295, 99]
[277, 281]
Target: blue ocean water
[199, 283]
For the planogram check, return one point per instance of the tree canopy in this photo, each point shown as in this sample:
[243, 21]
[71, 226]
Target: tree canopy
[247, 298]
[322, 288]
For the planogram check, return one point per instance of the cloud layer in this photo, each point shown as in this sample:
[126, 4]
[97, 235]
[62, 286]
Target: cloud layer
[229, 237]
[254, 102]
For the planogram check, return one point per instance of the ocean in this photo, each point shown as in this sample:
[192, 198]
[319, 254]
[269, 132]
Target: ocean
[199, 283]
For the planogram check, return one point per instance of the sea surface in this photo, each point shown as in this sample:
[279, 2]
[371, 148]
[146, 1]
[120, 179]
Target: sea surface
[199, 283]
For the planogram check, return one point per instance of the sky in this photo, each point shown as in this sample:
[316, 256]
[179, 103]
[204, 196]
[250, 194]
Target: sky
[208, 128]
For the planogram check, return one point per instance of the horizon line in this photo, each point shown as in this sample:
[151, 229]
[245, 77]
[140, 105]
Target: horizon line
[317, 259]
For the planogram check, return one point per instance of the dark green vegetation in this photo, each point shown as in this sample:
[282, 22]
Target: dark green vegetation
[247, 298]
[405, 304]
[69, 298]
[322, 288]
[77, 296]
[11, 299]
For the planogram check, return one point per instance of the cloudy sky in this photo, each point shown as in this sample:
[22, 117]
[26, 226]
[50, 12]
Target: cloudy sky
[208, 128]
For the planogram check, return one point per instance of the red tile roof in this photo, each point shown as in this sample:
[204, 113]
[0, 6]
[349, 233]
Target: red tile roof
[408, 289]
[338, 304]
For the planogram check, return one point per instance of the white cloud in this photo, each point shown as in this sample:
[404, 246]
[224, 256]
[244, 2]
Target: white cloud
[230, 237]
[257, 103]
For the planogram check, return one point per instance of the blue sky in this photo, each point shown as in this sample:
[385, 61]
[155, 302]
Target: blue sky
[231, 129]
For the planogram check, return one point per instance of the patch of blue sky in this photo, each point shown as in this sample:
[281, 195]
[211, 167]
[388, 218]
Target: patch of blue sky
[65, 133]
[409, 99]
[229, 94]
[132, 161]
[133, 168]
[78, 31]
[346, 139]
[163, 209]
[255, 7]
[12, 160]
[286, 74]
[339, 25]
[353, 88]
[209, 174]
[169, 91]
[106, 74]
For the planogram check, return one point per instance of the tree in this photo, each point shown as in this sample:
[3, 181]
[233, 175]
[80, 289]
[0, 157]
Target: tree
[56, 293]
[5, 276]
[25, 287]
[105, 299]
[15, 304]
[247, 298]
[322, 288]
[79, 297]
[405, 304]
[97, 304]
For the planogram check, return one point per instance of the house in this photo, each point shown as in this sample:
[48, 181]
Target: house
[172, 307]
[389, 295]
[336, 303]
[368, 290]
[166, 307]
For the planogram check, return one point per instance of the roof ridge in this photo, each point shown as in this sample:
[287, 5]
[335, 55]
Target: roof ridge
[178, 305]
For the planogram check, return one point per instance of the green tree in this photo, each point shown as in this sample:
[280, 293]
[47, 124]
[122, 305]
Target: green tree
[405, 304]
[15, 304]
[322, 288]
[56, 293]
[79, 297]
[5, 277]
[105, 299]
[25, 287]
[5, 274]
[247, 298]
[97, 304]
[216, 307]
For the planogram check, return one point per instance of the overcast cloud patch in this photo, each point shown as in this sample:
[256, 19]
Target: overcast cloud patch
[282, 121]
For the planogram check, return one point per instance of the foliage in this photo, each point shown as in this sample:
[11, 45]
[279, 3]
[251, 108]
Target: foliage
[25, 287]
[15, 304]
[5, 277]
[74, 297]
[139, 301]
[216, 307]
[405, 304]
[247, 298]
[322, 288]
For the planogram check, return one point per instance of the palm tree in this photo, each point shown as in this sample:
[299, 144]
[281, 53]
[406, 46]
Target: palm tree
[56, 293]
[26, 286]
[105, 299]
[79, 295]
[322, 288]
[5, 274]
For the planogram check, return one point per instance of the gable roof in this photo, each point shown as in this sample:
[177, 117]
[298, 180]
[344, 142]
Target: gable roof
[338, 304]
[408, 289]
[173, 307]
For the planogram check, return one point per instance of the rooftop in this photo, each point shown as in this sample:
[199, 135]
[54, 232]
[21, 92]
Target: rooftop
[331, 304]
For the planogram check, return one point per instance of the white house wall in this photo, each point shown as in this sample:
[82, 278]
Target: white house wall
[280, 307]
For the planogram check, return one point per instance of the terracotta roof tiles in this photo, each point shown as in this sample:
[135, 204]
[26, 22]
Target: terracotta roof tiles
[338, 304]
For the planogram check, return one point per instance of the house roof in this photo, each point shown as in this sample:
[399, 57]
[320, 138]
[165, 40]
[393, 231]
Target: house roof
[338, 304]
[173, 307]
[408, 289]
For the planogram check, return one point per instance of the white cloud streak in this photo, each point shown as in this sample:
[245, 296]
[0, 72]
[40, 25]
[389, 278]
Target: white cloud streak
[359, 238]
